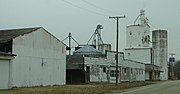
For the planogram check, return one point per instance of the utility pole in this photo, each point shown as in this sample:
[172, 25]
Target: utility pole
[70, 43]
[152, 60]
[117, 40]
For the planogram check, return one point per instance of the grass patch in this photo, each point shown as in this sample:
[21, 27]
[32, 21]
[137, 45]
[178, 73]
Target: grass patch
[93, 88]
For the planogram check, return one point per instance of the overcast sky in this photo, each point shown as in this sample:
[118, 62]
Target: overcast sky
[80, 17]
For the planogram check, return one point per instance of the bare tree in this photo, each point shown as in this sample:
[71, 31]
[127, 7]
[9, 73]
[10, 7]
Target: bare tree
[177, 69]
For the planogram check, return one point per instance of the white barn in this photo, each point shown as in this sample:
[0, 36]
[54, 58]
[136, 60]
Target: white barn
[40, 60]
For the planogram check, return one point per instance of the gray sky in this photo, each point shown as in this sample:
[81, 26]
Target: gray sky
[80, 17]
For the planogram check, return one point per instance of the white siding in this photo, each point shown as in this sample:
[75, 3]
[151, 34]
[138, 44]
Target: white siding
[135, 34]
[4, 74]
[135, 70]
[40, 60]
[96, 69]
[112, 59]
[139, 54]
[128, 64]
[147, 76]
[113, 75]
[138, 70]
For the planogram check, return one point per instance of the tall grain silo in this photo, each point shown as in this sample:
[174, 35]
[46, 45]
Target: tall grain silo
[138, 35]
[159, 45]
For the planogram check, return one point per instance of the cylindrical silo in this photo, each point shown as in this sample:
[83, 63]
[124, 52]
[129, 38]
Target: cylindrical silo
[159, 45]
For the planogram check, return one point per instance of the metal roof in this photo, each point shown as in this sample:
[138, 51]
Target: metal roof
[151, 67]
[87, 50]
[9, 34]
[6, 35]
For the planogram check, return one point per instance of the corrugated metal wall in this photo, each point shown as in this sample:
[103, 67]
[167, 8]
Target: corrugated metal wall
[40, 60]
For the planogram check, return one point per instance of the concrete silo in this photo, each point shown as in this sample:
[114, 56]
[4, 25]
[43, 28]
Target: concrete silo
[159, 46]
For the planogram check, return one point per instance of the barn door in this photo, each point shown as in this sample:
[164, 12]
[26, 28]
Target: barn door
[4, 74]
[87, 74]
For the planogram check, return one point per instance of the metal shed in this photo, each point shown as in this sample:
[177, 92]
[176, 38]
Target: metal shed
[40, 60]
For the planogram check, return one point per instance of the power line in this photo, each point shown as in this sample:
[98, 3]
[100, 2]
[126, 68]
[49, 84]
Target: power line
[152, 25]
[87, 2]
[87, 10]
[128, 20]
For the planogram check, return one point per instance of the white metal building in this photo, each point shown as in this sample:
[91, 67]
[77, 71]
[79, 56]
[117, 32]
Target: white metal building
[130, 70]
[96, 67]
[139, 54]
[40, 60]
[135, 71]
[139, 48]
[144, 55]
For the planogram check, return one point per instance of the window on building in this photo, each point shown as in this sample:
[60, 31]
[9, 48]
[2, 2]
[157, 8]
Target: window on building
[124, 70]
[104, 69]
[130, 33]
[113, 73]
[88, 69]
[6, 46]
[139, 71]
[131, 70]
